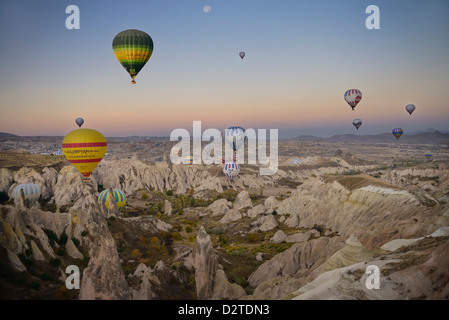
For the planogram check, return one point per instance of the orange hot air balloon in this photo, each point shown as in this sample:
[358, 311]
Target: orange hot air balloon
[84, 148]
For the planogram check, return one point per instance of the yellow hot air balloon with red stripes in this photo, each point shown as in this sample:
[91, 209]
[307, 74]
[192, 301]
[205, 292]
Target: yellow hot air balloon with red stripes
[84, 148]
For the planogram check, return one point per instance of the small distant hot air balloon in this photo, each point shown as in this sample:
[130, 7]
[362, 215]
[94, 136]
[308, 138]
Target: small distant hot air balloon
[84, 148]
[119, 196]
[31, 192]
[235, 137]
[242, 54]
[410, 108]
[353, 97]
[133, 48]
[296, 161]
[231, 170]
[357, 123]
[397, 132]
[79, 121]
[428, 155]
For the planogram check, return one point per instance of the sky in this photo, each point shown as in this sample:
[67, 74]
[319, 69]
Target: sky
[301, 57]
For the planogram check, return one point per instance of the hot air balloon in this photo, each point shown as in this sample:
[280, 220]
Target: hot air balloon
[296, 161]
[84, 148]
[231, 170]
[119, 196]
[79, 121]
[133, 48]
[428, 155]
[357, 123]
[31, 192]
[235, 137]
[242, 54]
[410, 108]
[397, 132]
[353, 97]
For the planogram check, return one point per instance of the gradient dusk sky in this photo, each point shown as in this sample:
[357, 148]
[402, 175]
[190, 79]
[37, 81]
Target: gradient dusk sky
[301, 57]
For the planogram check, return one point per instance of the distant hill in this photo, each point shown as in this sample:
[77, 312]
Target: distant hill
[427, 131]
[431, 137]
[5, 134]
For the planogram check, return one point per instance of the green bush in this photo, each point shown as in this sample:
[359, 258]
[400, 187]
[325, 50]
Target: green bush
[45, 276]
[52, 237]
[253, 237]
[35, 285]
[3, 197]
[222, 240]
[63, 239]
[169, 193]
[76, 242]
[144, 196]
[84, 233]
[55, 262]
[189, 229]
[61, 251]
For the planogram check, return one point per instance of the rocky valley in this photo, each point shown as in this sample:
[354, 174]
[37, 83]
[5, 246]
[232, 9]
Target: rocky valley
[308, 232]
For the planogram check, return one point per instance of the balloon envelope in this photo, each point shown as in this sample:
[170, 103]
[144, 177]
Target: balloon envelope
[410, 108]
[79, 121]
[357, 123]
[235, 137]
[133, 48]
[231, 170]
[242, 54]
[31, 192]
[397, 132]
[84, 149]
[353, 97]
[119, 196]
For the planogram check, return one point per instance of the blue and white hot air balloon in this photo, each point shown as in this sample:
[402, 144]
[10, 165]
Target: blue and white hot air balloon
[235, 137]
[357, 123]
[231, 170]
[79, 121]
[31, 192]
[410, 108]
[296, 161]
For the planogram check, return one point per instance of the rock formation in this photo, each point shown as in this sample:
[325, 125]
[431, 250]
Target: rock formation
[211, 281]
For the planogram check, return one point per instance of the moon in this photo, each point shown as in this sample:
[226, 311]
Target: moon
[206, 9]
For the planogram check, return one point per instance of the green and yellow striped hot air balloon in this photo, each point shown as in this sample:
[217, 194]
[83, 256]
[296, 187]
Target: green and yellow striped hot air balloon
[119, 196]
[132, 48]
